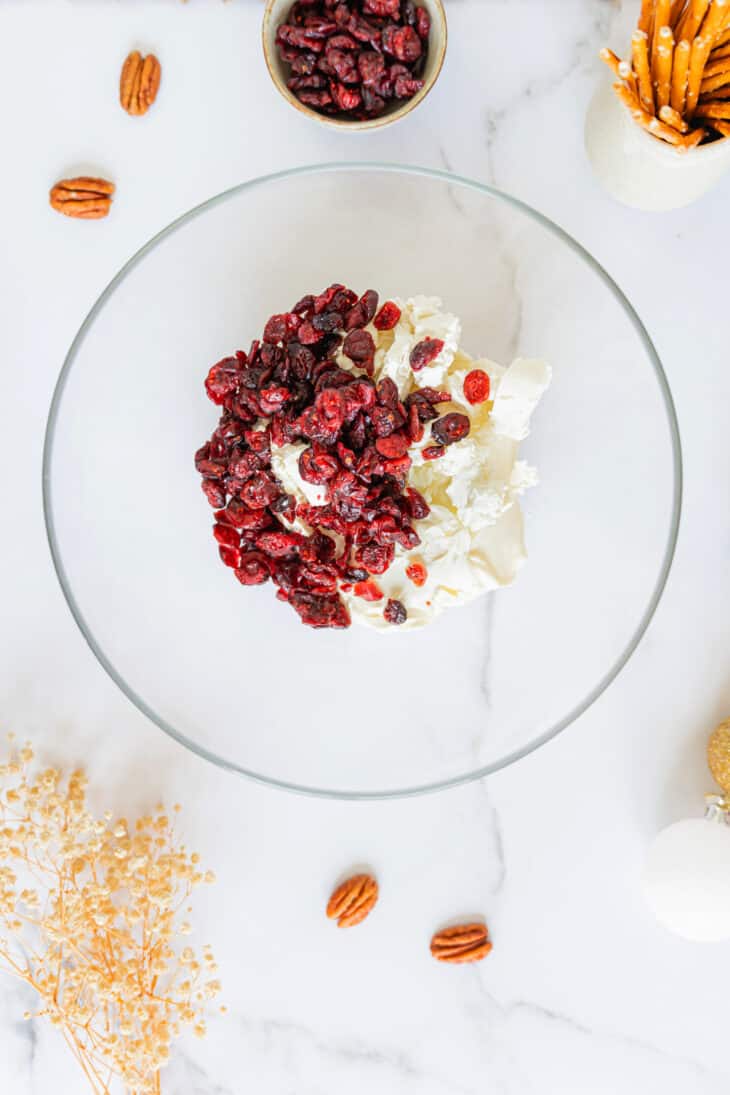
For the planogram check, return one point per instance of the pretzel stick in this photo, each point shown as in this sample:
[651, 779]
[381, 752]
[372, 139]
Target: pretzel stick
[613, 62]
[716, 68]
[674, 119]
[646, 120]
[714, 109]
[646, 16]
[721, 127]
[697, 61]
[723, 38]
[676, 12]
[680, 73]
[640, 57]
[662, 66]
[714, 21]
[718, 93]
[692, 140]
[691, 22]
[661, 20]
[626, 74]
[713, 89]
[720, 53]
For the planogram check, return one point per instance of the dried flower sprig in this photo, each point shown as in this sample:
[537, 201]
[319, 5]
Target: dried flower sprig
[91, 917]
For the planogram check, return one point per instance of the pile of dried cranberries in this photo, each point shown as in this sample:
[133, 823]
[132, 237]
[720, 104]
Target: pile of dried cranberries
[290, 389]
[354, 57]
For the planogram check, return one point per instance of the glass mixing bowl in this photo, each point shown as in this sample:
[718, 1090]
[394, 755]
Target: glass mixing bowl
[229, 671]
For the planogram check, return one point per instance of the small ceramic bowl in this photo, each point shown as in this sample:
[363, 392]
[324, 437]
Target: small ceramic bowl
[275, 14]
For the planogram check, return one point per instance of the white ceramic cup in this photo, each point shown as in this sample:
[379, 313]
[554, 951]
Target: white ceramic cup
[644, 171]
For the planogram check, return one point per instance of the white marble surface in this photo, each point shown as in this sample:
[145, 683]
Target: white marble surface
[583, 992]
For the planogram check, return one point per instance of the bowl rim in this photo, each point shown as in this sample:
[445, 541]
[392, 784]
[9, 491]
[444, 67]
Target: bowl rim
[608, 677]
[343, 125]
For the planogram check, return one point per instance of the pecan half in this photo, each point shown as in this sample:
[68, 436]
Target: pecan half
[464, 943]
[353, 900]
[82, 197]
[139, 82]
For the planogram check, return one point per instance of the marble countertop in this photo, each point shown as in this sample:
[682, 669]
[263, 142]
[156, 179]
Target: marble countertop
[583, 993]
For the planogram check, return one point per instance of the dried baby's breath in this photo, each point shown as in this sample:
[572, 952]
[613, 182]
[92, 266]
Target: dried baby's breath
[89, 913]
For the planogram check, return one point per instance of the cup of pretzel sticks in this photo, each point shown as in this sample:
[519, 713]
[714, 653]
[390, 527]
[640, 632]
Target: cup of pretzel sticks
[660, 136]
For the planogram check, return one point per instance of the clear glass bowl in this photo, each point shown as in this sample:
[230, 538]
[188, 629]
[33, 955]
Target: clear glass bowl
[229, 671]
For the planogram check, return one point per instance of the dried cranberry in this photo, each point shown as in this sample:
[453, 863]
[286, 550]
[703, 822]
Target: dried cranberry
[282, 327]
[223, 379]
[343, 66]
[392, 447]
[317, 610]
[303, 64]
[376, 558]
[304, 306]
[395, 612]
[327, 322]
[308, 334]
[405, 87]
[343, 41]
[214, 469]
[406, 45]
[224, 534]
[387, 317]
[214, 493]
[372, 104]
[434, 396]
[330, 406]
[259, 491]
[452, 427]
[317, 466]
[386, 420]
[271, 400]
[423, 23]
[387, 392]
[346, 98]
[258, 440]
[321, 28]
[230, 556]
[369, 591]
[432, 452]
[370, 65]
[279, 544]
[415, 426]
[319, 99]
[476, 387]
[417, 506]
[382, 8]
[360, 348]
[252, 568]
[388, 34]
[417, 574]
[424, 352]
[362, 312]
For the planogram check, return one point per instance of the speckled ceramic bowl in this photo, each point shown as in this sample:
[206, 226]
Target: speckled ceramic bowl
[275, 14]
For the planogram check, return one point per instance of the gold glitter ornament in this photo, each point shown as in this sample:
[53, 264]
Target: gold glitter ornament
[718, 755]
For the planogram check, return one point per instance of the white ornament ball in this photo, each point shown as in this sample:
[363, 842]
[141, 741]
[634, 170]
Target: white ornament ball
[687, 879]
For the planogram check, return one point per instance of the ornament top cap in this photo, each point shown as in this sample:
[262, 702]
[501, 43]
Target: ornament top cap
[718, 755]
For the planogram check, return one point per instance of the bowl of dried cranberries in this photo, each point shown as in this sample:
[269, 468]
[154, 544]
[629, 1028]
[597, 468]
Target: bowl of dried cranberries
[354, 64]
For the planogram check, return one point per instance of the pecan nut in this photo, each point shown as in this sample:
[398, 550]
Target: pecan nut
[353, 900]
[83, 197]
[464, 943]
[139, 82]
